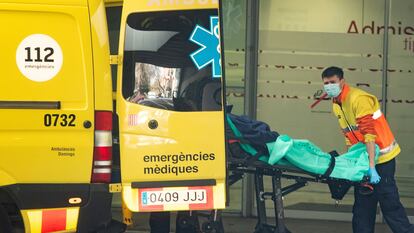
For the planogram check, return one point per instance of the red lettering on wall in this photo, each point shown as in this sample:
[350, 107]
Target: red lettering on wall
[407, 29]
[372, 28]
[353, 26]
[368, 27]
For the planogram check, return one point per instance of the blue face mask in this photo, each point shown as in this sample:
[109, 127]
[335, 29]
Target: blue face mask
[332, 89]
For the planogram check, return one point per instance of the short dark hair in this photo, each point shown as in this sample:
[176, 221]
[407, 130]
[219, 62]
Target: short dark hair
[332, 71]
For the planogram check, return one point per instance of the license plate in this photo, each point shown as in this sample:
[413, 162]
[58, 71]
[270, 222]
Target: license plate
[167, 197]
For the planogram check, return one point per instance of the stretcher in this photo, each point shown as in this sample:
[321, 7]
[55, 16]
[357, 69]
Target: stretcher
[239, 167]
[241, 163]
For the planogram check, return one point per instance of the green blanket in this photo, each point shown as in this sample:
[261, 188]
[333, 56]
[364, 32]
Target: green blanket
[352, 165]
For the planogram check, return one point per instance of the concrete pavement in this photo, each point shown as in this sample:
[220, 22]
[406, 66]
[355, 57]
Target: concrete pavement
[237, 224]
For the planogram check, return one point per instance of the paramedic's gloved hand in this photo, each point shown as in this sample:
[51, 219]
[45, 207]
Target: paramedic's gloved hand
[374, 177]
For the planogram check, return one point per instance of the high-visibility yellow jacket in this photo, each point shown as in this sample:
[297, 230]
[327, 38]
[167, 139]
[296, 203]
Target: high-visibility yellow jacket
[354, 104]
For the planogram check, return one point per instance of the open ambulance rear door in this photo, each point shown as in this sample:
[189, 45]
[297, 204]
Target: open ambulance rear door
[170, 106]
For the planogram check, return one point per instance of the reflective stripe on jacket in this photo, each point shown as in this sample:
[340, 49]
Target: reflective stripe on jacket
[354, 103]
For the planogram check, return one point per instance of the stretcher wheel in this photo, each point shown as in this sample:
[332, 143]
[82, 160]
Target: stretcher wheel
[212, 227]
[187, 224]
[207, 227]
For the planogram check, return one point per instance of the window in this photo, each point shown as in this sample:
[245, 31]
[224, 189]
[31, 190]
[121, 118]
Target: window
[158, 70]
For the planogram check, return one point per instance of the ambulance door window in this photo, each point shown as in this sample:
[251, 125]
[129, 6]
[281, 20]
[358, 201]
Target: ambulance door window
[158, 70]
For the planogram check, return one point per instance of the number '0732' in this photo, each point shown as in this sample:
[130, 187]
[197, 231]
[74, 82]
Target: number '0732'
[64, 120]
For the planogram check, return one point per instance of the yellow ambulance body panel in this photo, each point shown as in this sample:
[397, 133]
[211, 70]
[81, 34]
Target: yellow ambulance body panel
[55, 80]
[171, 118]
[28, 138]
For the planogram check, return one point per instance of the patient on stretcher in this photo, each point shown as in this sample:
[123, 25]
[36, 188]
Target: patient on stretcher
[258, 140]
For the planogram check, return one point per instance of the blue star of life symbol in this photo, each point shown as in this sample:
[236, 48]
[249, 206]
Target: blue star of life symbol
[210, 46]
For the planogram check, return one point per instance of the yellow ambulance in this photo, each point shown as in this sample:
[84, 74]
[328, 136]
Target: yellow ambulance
[55, 116]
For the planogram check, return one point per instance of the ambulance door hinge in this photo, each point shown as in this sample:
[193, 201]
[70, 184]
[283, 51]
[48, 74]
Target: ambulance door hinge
[115, 59]
[115, 188]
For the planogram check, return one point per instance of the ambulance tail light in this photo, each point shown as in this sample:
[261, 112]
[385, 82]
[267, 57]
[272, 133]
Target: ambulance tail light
[102, 156]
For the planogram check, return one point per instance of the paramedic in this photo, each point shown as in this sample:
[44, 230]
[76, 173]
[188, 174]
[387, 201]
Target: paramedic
[361, 120]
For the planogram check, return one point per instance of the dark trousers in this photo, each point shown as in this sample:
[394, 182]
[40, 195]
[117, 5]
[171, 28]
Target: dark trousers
[386, 193]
